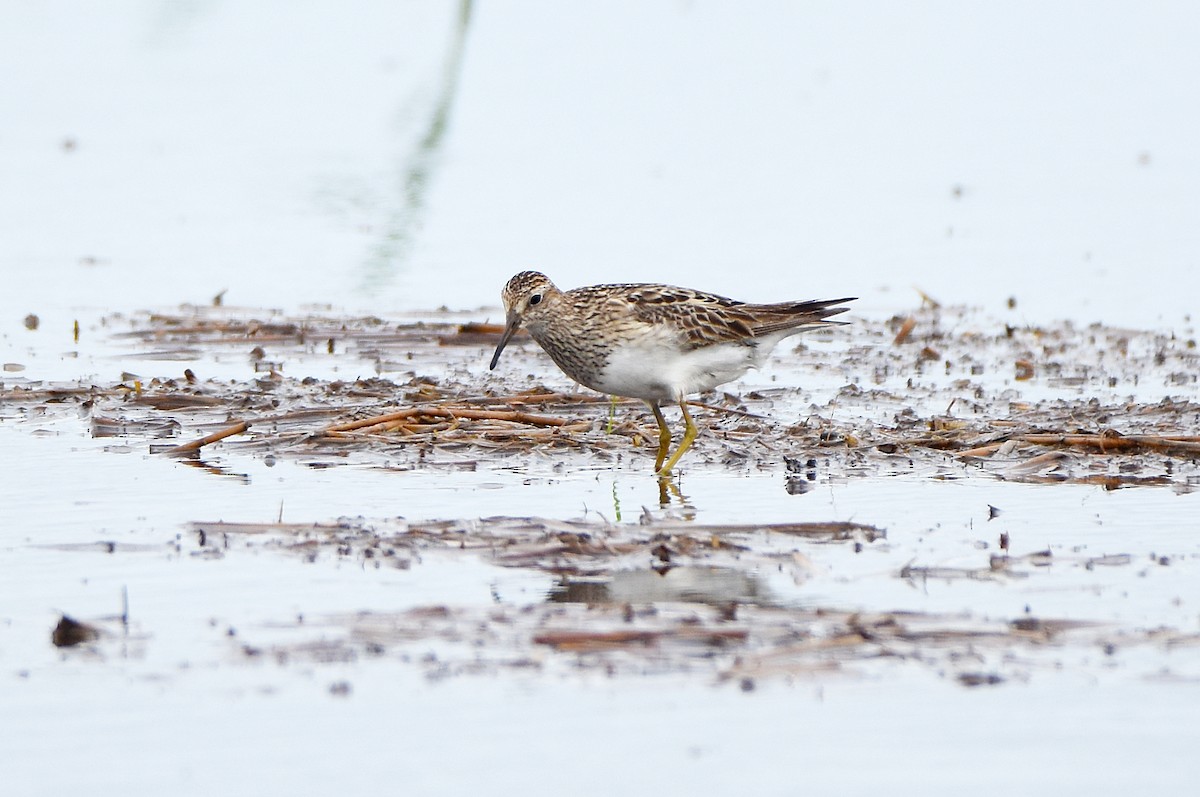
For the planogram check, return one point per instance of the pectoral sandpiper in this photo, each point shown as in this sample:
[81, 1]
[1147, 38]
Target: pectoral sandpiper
[653, 342]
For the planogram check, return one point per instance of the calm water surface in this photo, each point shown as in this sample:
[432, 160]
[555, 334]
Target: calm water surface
[412, 157]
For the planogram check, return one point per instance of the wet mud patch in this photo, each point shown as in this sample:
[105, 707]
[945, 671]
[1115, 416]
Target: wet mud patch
[733, 603]
[727, 646]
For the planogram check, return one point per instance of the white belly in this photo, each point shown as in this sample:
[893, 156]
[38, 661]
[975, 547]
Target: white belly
[659, 371]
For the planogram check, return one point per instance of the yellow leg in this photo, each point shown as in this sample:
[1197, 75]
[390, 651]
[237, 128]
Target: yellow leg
[689, 435]
[664, 435]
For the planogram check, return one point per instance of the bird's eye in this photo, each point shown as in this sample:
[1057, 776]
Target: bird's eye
[535, 299]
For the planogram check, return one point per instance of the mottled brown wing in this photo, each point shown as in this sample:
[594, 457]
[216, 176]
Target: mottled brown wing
[771, 318]
[706, 318]
[703, 318]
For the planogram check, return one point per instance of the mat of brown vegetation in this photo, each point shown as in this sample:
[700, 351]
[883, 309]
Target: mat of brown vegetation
[938, 393]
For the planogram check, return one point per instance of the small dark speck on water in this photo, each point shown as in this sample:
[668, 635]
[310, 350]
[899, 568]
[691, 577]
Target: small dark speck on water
[70, 632]
[980, 679]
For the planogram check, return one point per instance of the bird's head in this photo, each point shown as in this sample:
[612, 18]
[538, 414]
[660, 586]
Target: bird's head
[528, 298]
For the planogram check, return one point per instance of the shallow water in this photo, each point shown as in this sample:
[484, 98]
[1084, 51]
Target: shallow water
[410, 158]
[196, 627]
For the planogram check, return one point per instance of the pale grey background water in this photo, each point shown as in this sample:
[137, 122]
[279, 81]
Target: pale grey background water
[402, 156]
[387, 157]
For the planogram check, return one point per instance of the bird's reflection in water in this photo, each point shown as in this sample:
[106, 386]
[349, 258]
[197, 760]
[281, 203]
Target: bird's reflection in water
[668, 489]
[669, 495]
[717, 586]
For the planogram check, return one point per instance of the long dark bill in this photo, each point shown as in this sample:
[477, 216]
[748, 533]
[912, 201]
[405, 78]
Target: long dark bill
[514, 323]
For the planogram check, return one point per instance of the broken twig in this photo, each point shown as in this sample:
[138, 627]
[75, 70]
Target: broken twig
[196, 445]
